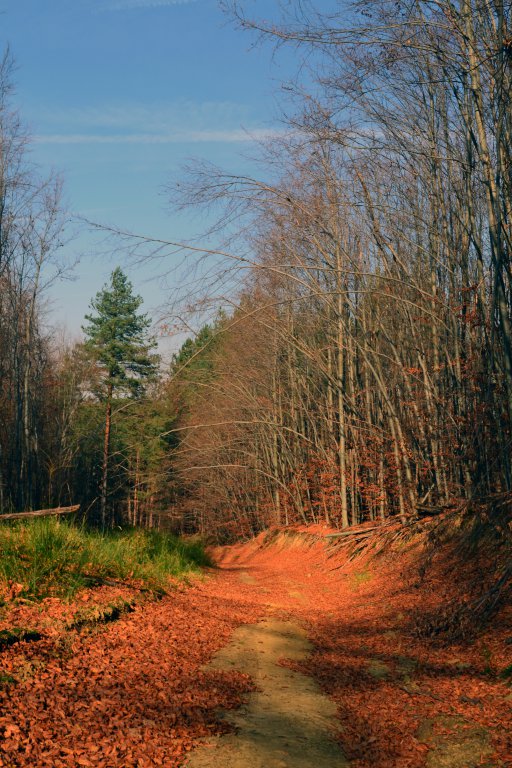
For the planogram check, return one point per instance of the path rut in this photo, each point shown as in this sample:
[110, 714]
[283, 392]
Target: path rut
[287, 722]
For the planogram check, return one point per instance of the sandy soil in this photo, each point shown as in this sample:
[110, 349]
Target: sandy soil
[287, 722]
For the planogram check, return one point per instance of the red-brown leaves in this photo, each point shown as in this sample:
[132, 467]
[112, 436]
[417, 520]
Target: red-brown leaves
[134, 694]
[386, 682]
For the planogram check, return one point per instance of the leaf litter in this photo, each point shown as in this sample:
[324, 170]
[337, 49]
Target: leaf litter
[137, 692]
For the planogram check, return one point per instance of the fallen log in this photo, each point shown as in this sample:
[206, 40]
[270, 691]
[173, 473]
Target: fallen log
[40, 513]
[355, 532]
[424, 511]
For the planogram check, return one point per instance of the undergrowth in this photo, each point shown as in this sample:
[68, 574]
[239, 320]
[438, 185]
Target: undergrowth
[50, 557]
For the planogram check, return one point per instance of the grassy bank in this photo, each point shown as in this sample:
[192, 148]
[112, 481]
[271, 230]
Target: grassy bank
[55, 557]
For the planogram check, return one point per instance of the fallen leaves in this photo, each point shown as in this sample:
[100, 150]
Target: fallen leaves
[131, 694]
[358, 633]
[134, 693]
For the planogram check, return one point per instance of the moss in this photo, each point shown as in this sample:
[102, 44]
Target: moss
[378, 669]
[362, 577]
[6, 680]
[506, 673]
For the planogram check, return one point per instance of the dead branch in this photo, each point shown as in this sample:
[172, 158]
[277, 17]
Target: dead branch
[40, 513]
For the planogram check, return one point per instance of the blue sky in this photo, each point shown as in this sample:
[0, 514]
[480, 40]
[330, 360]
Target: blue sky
[118, 94]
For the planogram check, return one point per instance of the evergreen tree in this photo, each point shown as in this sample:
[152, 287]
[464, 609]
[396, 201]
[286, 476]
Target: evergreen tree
[118, 339]
[193, 366]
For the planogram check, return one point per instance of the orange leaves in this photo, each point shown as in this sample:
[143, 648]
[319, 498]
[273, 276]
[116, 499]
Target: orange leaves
[130, 695]
[135, 695]
[386, 683]
[15, 589]
[10, 730]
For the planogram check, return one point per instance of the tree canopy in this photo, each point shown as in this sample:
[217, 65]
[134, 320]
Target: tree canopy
[118, 337]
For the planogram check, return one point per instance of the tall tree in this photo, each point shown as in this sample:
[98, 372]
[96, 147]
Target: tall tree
[32, 229]
[119, 340]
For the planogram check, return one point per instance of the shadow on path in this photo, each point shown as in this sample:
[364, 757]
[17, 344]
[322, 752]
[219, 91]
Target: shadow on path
[287, 722]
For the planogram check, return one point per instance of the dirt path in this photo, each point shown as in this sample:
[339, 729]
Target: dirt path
[391, 700]
[204, 666]
[287, 722]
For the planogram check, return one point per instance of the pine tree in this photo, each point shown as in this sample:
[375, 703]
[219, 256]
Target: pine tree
[118, 338]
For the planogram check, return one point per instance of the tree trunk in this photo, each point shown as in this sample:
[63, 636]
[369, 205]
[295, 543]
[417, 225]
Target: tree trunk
[106, 449]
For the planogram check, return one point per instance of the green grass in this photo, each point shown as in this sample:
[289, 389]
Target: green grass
[54, 557]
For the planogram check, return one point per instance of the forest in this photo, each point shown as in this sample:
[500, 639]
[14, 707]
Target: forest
[286, 540]
[353, 353]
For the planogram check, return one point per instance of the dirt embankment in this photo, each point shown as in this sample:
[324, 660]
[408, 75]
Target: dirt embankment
[410, 692]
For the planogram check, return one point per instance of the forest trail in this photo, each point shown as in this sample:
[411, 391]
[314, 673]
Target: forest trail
[393, 702]
[287, 722]
[280, 656]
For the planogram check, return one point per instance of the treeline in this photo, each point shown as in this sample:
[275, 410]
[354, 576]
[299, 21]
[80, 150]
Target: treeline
[366, 368]
[362, 364]
[81, 422]
[31, 231]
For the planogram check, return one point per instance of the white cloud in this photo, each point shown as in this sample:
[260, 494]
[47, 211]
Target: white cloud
[172, 123]
[175, 117]
[127, 5]
[193, 137]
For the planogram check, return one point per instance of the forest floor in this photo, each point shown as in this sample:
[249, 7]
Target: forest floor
[283, 655]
